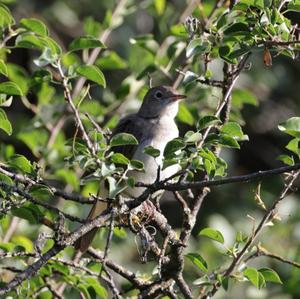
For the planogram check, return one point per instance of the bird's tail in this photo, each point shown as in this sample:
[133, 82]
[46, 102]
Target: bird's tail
[84, 242]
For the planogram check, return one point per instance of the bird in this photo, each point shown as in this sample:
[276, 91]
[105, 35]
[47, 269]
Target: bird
[153, 125]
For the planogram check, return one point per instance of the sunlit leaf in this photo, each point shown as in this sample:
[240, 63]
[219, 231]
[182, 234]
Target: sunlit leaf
[212, 234]
[93, 73]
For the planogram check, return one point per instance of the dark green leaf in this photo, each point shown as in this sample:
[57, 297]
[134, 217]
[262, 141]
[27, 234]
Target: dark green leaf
[212, 234]
[150, 150]
[93, 73]
[123, 139]
[135, 164]
[34, 25]
[85, 42]
[198, 261]
[173, 146]
[10, 88]
[31, 213]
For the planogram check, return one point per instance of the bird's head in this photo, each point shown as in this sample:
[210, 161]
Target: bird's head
[160, 101]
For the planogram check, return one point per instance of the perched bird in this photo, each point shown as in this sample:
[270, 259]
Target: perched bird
[153, 125]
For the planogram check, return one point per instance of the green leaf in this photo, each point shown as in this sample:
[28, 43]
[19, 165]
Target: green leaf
[197, 46]
[135, 164]
[30, 212]
[85, 42]
[21, 163]
[93, 73]
[207, 121]
[41, 192]
[150, 150]
[291, 127]
[173, 146]
[160, 6]
[255, 277]
[3, 68]
[5, 124]
[198, 261]
[6, 179]
[35, 25]
[119, 158]
[212, 234]
[68, 176]
[270, 275]
[184, 115]
[23, 241]
[29, 41]
[10, 88]
[95, 284]
[286, 159]
[233, 130]
[228, 141]
[6, 18]
[111, 61]
[192, 137]
[123, 139]
[294, 6]
[293, 146]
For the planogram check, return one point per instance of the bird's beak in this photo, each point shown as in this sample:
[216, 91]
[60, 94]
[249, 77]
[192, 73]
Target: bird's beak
[177, 97]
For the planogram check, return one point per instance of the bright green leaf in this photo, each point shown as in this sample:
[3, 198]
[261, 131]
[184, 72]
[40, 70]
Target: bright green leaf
[21, 163]
[184, 115]
[286, 159]
[5, 124]
[291, 127]
[3, 68]
[253, 276]
[93, 73]
[270, 275]
[212, 234]
[34, 25]
[119, 158]
[160, 6]
[10, 88]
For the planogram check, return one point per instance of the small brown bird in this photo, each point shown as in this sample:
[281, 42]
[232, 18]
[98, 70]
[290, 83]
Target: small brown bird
[153, 125]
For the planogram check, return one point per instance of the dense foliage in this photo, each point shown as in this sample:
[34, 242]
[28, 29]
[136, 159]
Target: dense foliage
[67, 78]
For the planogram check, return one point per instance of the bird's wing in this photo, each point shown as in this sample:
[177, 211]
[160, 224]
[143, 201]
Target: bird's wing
[134, 125]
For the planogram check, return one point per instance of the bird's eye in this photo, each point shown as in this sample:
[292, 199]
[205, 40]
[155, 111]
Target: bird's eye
[158, 95]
